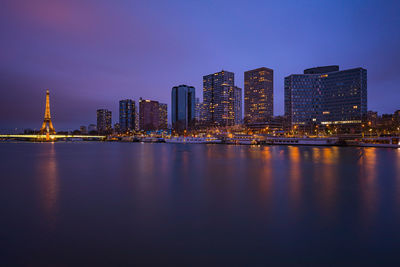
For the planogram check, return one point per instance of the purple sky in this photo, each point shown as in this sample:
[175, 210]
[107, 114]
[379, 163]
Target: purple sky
[91, 54]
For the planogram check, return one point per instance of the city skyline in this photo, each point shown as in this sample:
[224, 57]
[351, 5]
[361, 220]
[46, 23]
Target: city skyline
[87, 70]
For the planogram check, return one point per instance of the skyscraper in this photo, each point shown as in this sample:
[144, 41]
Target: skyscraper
[218, 97]
[197, 109]
[127, 114]
[258, 94]
[163, 111]
[237, 104]
[137, 127]
[104, 121]
[183, 106]
[327, 96]
[149, 115]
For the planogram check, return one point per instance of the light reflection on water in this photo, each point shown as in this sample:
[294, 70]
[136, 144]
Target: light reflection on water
[398, 178]
[159, 203]
[295, 177]
[48, 183]
[368, 184]
[326, 178]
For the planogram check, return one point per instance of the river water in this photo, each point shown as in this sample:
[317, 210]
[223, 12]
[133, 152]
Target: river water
[118, 204]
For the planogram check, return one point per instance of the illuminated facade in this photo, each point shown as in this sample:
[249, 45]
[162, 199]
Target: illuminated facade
[104, 121]
[137, 128]
[149, 115]
[326, 96]
[237, 104]
[127, 115]
[163, 111]
[183, 106]
[258, 95]
[47, 126]
[218, 98]
[197, 109]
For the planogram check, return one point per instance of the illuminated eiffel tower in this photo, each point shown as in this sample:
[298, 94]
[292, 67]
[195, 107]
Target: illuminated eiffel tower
[47, 126]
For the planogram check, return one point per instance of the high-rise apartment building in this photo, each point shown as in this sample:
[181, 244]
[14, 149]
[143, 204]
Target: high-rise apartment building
[197, 109]
[127, 115]
[258, 95]
[326, 96]
[203, 112]
[237, 104]
[137, 127]
[149, 115]
[104, 121]
[200, 112]
[163, 112]
[218, 97]
[183, 106]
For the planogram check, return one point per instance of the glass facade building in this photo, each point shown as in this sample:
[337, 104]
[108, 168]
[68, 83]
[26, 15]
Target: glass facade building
[326, 96]
[258, 95]
[104, 121]
[218, 97]
[127, 115]
[183, 106]
[237, 104]
[197, 109]
[163, 111]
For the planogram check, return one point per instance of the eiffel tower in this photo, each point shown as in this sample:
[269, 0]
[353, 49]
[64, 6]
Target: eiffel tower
[47, 126]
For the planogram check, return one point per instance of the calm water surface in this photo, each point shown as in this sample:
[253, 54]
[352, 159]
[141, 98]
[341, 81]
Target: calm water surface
[119, 204]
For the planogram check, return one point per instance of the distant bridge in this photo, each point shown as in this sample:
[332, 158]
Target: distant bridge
[47, 132]
[50, 137]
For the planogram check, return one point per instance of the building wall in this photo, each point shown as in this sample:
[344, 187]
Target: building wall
[338, 97]
[163, 111]
[197, 109]
[238, 105]
[149, 115]
[218, 97]
[137, 127]
[127, 115]
[183, 106]
[104, 121]
[258, 94]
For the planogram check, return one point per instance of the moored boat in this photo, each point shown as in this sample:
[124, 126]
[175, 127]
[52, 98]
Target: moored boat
[330, 141]
[241, 139]
[388, 142]
[192, 140]
[149, 139]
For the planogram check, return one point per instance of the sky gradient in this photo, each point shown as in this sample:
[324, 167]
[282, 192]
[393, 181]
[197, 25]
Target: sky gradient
[91, 54]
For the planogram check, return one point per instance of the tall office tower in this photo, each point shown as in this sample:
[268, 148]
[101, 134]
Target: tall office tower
[183, 106]
[197, 109]
[127, 116]
[163, 111]
[258, 95]
[137, 128]
[149, 115]
[218, 95]
[237, 104]
[104, 121]
[203, 112]
[327, 96]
